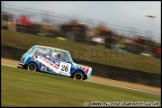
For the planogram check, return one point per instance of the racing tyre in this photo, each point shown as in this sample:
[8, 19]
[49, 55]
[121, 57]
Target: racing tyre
[32, 67]
[78, 76]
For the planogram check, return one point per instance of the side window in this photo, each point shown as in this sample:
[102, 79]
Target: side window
[59, 56]
[47, 53]
[41, 51]
[56, 55]
[65, 57]
[44, 52]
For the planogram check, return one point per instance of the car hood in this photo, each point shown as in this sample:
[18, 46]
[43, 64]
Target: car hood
[76, 65]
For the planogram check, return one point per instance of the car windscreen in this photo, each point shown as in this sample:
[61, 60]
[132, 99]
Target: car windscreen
[31, 50]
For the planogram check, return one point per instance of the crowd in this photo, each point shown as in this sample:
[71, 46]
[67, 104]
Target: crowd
[75, 31]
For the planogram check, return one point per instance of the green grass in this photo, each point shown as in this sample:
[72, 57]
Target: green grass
[98, 54]
[26, 88]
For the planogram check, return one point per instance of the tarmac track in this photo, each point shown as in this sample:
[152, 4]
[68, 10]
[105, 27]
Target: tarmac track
[105, 81]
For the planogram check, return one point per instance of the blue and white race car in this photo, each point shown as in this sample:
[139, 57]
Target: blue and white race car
[55, 61]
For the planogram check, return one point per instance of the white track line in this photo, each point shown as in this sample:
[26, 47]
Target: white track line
[106, 84]
[8, 65]
[123, 87]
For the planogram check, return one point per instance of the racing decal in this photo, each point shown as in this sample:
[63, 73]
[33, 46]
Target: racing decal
[43, 67]
[65, 68]
[48, 64]
[81, 66]
[86, 68]
[57, 63]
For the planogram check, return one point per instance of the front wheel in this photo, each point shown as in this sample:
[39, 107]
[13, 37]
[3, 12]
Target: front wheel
[32, 67]
[78, 76]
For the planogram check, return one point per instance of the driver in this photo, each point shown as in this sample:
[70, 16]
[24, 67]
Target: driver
[58, 56]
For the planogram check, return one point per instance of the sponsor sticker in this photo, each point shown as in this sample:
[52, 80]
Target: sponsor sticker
[63, 68]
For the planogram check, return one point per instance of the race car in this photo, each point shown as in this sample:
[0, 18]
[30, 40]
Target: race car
[55, 61]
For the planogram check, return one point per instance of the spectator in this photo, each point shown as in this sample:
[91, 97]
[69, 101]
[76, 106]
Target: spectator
[6, 20]
[25, 21]
[120, 46]
[12, 25]
[157, 52]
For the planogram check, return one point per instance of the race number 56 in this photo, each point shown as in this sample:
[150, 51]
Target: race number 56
[65, 68]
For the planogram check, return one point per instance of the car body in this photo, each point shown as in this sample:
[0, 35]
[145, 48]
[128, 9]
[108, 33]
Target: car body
[55, 61]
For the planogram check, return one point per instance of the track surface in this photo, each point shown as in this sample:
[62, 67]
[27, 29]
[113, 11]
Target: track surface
[106, 81]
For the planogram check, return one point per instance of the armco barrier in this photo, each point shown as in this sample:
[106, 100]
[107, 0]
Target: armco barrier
[116, 73]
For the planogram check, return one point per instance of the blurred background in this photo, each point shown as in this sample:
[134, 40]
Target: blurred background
[119, 40]
[44, 22]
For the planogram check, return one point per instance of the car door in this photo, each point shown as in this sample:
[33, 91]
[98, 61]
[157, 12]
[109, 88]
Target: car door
[63, 66]
[44, 59]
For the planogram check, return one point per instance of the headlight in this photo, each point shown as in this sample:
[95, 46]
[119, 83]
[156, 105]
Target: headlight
[22, 58]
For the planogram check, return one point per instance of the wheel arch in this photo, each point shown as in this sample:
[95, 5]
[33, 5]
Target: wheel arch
[85, 76]
[37, 64]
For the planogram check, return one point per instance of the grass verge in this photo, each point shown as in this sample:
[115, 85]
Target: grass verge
[26, 88]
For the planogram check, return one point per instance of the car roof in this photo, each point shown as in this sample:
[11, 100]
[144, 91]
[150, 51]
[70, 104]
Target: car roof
[54, 48]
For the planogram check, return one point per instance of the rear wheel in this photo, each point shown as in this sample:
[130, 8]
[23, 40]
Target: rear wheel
[32, 67]
[78, 76]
